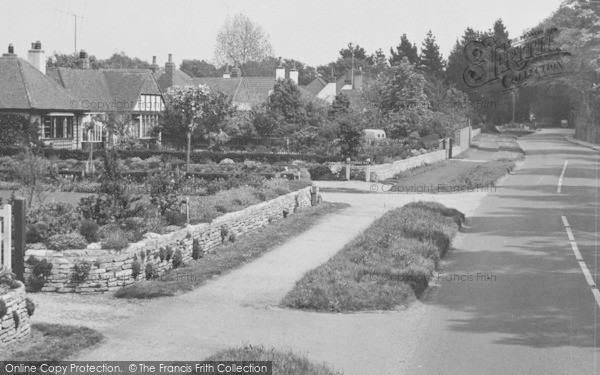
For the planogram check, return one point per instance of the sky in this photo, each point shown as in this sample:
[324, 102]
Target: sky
[312, 31]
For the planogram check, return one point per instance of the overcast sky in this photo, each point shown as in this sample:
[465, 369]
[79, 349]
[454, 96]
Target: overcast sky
[312, 31]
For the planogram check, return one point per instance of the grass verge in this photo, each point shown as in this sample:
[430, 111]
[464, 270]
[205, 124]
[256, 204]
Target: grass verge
[52, 342]
[230, 255]
[388, 265]
[484, 175]
[284, 363]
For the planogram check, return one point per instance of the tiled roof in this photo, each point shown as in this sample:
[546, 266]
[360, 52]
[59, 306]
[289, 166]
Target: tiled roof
[249, 91]
[316, 86]
[24, 87]
[107, 85]
[179, 79]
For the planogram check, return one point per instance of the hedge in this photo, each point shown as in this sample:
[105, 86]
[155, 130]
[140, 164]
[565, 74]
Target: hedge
[196, 157]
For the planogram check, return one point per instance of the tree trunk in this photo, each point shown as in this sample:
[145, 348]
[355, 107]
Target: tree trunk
[189, 151]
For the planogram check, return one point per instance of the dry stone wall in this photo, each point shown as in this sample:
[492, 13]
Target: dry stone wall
[110, 270]
[15, 325]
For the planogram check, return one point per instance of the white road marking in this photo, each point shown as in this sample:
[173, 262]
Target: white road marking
[560, 179]
[584, 268]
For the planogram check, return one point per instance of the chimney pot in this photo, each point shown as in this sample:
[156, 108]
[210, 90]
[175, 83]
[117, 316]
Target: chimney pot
[38, 45]
[154, 60]
[11, 49]
[170, 57]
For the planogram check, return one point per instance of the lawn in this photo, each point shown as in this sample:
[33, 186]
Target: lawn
[386, 266]
[52, 342]
[284, 362]
[230, 255]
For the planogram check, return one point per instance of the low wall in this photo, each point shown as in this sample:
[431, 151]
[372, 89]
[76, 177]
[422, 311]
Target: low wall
[15, 323]
[112, 269]
[389, 170]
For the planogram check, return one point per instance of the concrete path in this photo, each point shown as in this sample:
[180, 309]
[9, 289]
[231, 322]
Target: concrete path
[241, 307]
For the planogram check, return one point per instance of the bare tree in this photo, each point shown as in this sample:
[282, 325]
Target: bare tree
[241, 40]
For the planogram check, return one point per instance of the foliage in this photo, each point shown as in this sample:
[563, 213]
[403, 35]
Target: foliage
[240, 40]
[196, 249]
[31, 171]
[351, 137]
[41, 270]
[49, 219]
[116, 240]
[151, 271]
[9, 279]
[430, 59]
[16, 318]
[177, 259]
[199, 68]
[3, 308]
[404, 49]
[66, 241]
[17, 130]
[81, 270]
[168, 253]
[30, 306]
[89, 230]
[136, 267]
[339, 107]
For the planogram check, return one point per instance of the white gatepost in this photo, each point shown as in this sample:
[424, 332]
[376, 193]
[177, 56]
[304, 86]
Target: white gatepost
[6, 237]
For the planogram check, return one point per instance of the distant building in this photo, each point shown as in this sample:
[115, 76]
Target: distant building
[374, 134]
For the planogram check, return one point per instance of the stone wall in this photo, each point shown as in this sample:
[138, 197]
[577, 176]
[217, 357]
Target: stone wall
[475, 133]
[113, 269]
[389, 170]
[11, 329]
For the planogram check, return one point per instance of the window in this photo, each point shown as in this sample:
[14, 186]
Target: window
[57, 127]
[147, 123]
[93, 134]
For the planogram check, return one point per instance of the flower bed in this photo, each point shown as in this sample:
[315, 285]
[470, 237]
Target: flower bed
[14, 315]
[96, 270]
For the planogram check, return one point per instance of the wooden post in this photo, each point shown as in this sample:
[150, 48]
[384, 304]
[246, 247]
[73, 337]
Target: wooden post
[348, 169]
[368, 171]
[20, 224]
[5, 237]
[314, 194]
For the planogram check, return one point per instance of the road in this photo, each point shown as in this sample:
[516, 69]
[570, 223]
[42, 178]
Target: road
[536, 313]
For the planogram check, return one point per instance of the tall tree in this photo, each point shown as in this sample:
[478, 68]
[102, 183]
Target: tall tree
[240, 40]
[499, 31]
[199, 68]
[431, 60]
[404, 49]
[359, 52]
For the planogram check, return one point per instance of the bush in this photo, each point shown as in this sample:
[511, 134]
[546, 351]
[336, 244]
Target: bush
[30, 305]
[151, 271]
[116, 240]
[196, 249]
[49, 219]
[41, 270]
[66, 241]
[168, 253]
[81, 270]
[177, 259]
[136, 268]
[89, 230]
[16, 318]
[3, 308]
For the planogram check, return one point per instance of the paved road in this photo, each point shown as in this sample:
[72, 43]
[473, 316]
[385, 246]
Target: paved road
[536, 314]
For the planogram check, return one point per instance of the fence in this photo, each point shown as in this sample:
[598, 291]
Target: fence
[6, 237]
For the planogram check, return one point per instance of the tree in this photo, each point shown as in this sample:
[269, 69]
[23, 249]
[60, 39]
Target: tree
[340, 106]
[17, 130]
[63, 60]
[351, 137]
[431, 61]
[240, 40]
[199, 68]
[404, 49]
[286, 101]
[122, 61]
[499, 31]
[194, 109]
[378, 61]
[358, 51]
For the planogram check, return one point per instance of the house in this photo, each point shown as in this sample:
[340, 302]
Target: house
[131, 97]
[350, 84]
[246, 92]
[26, 90]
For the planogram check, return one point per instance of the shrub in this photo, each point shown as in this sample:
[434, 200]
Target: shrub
[16, 318]
[30, 306]
[162, 253]
[89, 230]
[168, 253]
[66, 241]
[3, 308]
[177, 259]
[81, 270]
[49, 219]
[224, 233]
[196, 249]
[8, 278]
[136, 268]
[151, 272]
[116, 240]
[41, 270]
[232, 237]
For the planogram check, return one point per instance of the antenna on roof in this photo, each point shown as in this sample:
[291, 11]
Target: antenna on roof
[75, 16]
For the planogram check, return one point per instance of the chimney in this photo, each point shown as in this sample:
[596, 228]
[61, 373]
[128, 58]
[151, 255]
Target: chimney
[294, 74]
[154, 65]
[37, 57]
[11, 51]
[358, 80]
[83, 62]
[170, 69]
[280, 71]
[226, 74]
